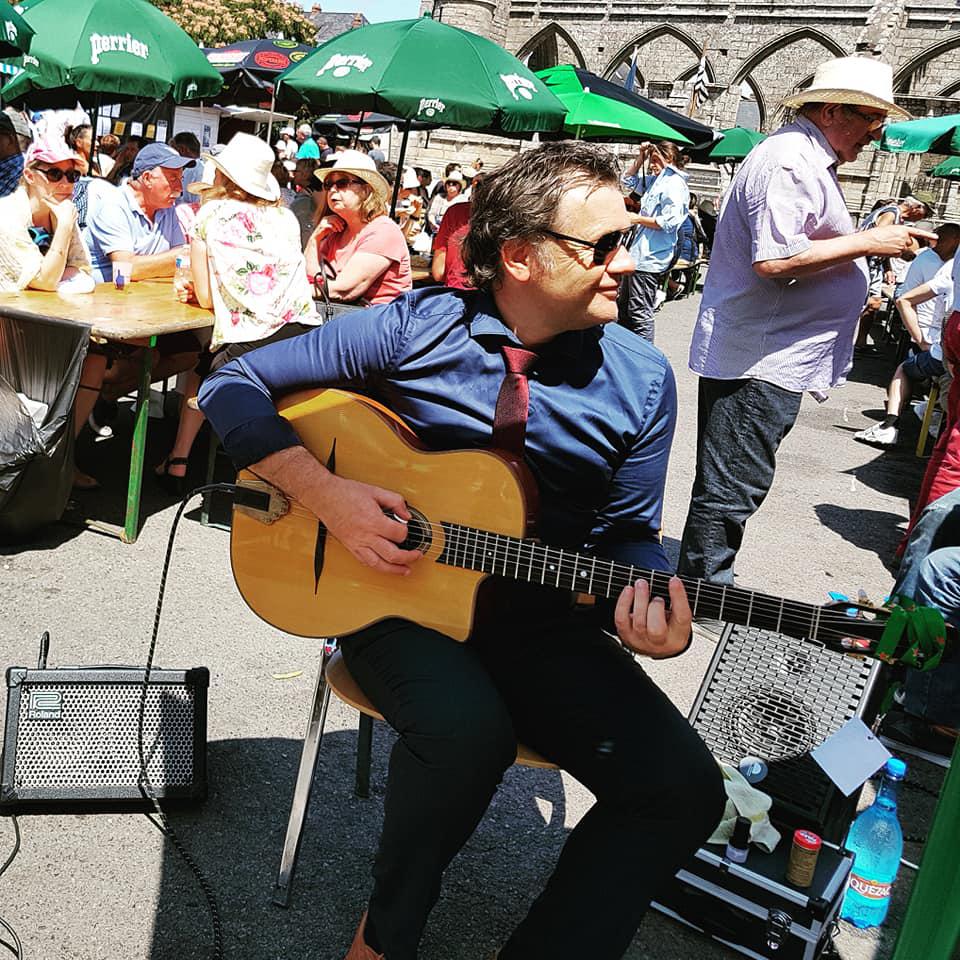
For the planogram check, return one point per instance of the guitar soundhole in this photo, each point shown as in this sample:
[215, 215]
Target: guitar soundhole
[419, 532]
[773, 724]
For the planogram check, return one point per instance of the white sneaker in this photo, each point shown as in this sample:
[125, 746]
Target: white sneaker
[659, 299]
[879, 435]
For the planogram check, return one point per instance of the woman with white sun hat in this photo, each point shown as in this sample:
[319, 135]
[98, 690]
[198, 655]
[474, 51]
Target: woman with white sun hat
[246, 265]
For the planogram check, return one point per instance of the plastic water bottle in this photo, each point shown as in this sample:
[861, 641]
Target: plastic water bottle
[876, 841]
[181, 278]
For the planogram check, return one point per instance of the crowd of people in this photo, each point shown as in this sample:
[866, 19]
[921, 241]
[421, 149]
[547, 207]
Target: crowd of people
[537, 338]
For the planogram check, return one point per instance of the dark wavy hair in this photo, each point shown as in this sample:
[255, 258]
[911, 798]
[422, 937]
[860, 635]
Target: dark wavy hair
[519, 201]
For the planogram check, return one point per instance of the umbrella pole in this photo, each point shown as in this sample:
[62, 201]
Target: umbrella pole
[95, 120]
[273, 100]
[399, 176]
[356, 135]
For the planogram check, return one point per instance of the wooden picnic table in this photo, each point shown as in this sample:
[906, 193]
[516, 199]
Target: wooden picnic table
[145, 310]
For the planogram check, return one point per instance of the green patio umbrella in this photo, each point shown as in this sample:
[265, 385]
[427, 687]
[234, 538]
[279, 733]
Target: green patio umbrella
[15, 32]
[949, 168]
[735, 144]
[114, 50]
[927, 135]
[422, 70]
[591, 116]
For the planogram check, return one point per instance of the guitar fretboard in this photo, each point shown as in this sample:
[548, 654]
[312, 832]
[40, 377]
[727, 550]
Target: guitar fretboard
[517, 559]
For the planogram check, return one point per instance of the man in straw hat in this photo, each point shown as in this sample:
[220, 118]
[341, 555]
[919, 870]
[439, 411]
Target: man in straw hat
[786, 284]
[545, 250]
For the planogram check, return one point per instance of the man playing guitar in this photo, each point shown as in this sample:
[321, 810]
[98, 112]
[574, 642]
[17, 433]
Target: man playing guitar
[546, 251]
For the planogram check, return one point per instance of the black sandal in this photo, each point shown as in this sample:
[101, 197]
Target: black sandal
[171, 482]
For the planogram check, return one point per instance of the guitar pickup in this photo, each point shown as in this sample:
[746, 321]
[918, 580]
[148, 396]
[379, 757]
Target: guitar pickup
[260, 501]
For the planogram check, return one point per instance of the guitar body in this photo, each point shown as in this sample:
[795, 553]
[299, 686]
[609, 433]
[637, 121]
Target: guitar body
[301, 580]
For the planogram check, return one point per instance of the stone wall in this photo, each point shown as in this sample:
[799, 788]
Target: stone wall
[771, 46]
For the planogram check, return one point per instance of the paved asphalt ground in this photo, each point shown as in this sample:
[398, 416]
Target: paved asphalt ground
[107, 886]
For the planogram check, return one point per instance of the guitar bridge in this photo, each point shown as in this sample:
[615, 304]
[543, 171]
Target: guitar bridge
[260, 501]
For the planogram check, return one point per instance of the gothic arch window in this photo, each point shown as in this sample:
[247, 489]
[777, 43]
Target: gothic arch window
[752, 110]
[647, 68]
[548, 47]
[774, 46]
[906, 78]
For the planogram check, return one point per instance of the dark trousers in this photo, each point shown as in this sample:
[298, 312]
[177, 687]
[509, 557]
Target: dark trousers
[569, 692]
[637, 302]
[740, 424]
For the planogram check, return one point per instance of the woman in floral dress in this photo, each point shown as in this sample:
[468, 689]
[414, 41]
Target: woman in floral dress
[247, 265]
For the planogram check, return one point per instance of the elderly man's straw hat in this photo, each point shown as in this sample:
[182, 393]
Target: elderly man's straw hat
[859, 81]
[246, 160]
[361, 166]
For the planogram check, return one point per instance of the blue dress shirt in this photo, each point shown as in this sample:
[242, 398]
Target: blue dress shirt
[601, 415]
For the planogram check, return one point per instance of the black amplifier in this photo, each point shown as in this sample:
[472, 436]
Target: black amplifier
[70, 736]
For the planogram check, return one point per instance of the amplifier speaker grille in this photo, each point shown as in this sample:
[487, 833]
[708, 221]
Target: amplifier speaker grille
[770, 696]
[72, 734]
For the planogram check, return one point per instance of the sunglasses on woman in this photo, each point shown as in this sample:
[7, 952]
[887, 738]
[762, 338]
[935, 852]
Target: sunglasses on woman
[341, 183]
[55, 174]
[602, 247]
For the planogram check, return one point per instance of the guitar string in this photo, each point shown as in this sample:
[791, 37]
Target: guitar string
[462, 539]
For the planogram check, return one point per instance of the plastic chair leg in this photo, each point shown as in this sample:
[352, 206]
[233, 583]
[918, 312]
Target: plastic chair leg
[304, 783]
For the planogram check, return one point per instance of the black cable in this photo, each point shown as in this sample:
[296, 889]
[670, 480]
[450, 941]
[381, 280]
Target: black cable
[146, 787]
[15, 948]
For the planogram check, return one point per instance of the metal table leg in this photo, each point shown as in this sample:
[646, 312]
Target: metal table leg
[931, 926]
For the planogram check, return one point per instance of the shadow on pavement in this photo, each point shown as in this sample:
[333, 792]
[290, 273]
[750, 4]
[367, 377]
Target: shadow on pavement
[236, 839]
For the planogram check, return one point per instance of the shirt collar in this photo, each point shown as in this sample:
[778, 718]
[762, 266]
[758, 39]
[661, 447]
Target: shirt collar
[133, 202]
[485, 321]
[827, 154]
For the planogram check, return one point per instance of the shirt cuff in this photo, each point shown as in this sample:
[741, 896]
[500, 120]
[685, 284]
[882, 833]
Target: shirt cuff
[258, 438]
[767, 249]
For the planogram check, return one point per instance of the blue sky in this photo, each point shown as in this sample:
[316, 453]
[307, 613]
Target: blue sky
[374, 10]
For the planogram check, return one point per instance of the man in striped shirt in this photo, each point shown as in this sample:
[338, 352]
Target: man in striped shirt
[787, 280]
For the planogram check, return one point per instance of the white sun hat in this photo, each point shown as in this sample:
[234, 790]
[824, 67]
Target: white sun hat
[361, 166]
[246, 160]
[410, 179]
[860, 81]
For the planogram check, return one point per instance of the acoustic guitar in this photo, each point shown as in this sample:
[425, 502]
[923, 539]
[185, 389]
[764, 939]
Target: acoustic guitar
[472, 517]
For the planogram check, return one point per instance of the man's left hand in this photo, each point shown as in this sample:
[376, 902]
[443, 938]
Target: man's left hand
[649, 627]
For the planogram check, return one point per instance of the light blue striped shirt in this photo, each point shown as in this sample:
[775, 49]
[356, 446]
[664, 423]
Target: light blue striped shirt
[666, 199]
[796, 334]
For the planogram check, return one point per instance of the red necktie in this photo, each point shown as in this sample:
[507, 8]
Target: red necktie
[510, 418]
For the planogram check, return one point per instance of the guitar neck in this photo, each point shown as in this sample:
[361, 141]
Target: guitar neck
[527, 560]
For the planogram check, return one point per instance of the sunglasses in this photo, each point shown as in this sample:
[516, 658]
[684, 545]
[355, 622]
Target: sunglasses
[341, 183]
[55, 174]
[602, 247]
[873, 122]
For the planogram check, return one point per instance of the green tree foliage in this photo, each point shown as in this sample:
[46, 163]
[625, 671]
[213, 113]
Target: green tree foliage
[213, 23]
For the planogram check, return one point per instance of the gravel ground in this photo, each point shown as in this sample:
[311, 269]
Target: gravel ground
[107, 886]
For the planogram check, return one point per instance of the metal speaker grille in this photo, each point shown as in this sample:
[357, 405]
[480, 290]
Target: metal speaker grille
[93, 743]
[773, 697]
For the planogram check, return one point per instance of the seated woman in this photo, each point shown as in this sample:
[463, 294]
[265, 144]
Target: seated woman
[41, 249]
[247, 265]
[366, 250]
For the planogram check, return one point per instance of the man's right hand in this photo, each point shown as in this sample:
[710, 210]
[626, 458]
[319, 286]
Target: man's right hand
[353, 512]
[894, 240]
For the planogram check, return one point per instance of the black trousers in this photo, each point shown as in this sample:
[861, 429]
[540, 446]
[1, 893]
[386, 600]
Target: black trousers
[565, 689]
[638, 302]
[740, 425]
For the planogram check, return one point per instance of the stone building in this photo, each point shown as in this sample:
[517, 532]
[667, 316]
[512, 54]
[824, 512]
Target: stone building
[756, 51]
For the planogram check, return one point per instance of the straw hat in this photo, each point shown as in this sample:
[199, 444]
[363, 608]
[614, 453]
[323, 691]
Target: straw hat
[361, 166]
[246, 160]
[859, 81]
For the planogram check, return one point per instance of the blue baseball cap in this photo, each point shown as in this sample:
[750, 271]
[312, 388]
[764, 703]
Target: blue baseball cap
[159, 155]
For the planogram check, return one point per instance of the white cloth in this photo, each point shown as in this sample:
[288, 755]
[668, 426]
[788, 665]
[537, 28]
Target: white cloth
[744, 800]
[925, 267]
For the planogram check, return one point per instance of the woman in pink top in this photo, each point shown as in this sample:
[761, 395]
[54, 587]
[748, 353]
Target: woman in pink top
[365, 248]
